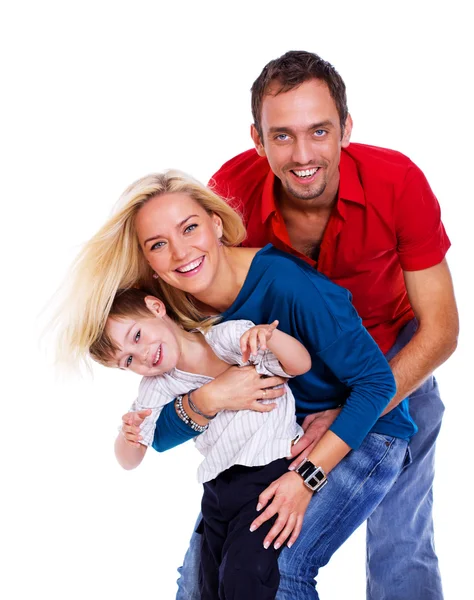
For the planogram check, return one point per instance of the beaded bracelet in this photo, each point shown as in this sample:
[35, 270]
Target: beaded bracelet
[195, 409]
[183, 415]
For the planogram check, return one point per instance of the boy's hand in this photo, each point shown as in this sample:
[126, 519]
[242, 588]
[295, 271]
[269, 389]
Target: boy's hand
[131, 426]
[255, 338]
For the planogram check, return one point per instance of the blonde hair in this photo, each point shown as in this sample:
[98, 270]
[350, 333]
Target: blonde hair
[112, 259]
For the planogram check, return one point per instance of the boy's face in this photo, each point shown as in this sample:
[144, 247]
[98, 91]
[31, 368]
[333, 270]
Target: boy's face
[147, 345]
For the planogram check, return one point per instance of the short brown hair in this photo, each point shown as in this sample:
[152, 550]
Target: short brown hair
[126, 304]
[290, 71]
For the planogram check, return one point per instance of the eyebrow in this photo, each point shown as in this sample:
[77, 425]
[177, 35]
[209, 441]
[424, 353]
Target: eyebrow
[326, 123]
[180, 224]
[126, 336]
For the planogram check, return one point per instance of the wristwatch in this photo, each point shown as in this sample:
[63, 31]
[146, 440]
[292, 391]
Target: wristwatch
[314, 477]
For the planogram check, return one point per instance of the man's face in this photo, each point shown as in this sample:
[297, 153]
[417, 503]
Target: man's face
[302, 141]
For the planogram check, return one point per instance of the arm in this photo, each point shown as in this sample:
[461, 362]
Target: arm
[431, 296]
[128, 450]
[292, 355]
[236, 389]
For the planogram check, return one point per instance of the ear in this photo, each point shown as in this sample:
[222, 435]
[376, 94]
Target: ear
[346, 136]
[155, 306]
[217, 221]
[257, 141]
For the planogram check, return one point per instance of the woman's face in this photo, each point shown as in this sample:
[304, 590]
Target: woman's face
[180, 241]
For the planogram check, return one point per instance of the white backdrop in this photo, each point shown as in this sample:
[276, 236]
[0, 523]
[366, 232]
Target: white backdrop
[97, 94]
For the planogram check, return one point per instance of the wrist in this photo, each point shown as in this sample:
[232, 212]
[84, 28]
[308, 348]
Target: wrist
[203, 397]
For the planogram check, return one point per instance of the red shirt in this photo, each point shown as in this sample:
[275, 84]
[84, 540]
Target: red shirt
[386, 220]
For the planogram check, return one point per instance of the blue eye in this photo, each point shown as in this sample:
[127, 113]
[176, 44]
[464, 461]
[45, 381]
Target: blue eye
[319, 132]
[128, 362]
[190, 228]
[281, 137]
[137, 336]
[157, 245]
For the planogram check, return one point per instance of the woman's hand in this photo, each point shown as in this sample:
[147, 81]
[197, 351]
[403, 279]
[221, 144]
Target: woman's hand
[290, 500]
[131, 426]
[256, 337]
[239, 388]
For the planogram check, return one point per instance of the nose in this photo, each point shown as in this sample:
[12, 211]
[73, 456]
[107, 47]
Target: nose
[178, 249]
[302, 153]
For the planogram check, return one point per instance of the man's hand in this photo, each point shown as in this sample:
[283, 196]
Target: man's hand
[314, 426]
[290, 500]
[131, 426]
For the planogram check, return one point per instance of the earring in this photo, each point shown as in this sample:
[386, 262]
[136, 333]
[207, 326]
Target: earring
[156, 276]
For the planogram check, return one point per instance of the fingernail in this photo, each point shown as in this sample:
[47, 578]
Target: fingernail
[252, 528]
[290, 544]
[266, 545]
[277, 545]
[291, 468]
[259, 507]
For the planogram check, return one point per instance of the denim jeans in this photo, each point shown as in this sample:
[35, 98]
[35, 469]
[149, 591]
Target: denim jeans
[401, 560]
[357, 485]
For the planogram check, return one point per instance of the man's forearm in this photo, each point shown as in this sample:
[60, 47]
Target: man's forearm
[426, 351]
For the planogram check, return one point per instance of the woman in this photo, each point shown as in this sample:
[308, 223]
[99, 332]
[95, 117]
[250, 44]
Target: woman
[172, 234]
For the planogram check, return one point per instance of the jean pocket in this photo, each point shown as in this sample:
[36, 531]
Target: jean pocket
[388, 439]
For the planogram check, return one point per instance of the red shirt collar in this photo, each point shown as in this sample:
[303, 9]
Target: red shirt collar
[350, 188]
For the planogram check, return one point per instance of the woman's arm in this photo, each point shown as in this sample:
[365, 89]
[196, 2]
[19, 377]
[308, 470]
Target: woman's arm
[239, 388]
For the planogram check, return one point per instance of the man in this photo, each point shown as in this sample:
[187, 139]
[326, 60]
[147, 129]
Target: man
[367, 218]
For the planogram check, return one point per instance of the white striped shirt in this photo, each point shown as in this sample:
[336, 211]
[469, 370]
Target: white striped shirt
[243, 437]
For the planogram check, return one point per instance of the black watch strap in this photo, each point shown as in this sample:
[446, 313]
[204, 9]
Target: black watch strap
[314, 477]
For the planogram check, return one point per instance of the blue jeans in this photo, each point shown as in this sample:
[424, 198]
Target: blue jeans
[401, 560]
[357, 486]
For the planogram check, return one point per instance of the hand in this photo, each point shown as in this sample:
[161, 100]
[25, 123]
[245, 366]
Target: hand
[256, 337]
[131, 426]
[239, 388]
[290, 500]
[314, 426]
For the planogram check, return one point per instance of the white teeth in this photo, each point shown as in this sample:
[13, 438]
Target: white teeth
[157, 356]
[305, 173]
[191, 266]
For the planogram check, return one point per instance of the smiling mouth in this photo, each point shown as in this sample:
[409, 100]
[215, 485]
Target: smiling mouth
[192, 266]
[305, 173]
[157, 357]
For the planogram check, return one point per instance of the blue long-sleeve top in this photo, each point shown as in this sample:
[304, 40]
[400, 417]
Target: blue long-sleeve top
[347, 369]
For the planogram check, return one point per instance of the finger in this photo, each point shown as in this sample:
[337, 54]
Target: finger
[267, 514]
[132, 429]
[267, 495]
[279, 524]
[132, 437]
[244, 346]
[144, 413]
[306, 452]
[284, 535]
[273, 325]
[262, 339]
[296, 531]
[301, 445]
[270, 393]
[253, 342]
[257, 406]
[308, 420]
[273, 381]
[127, 418]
